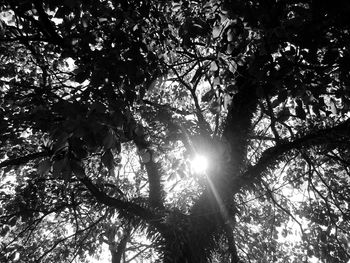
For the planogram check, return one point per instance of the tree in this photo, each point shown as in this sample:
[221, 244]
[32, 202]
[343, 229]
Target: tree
[105, 104]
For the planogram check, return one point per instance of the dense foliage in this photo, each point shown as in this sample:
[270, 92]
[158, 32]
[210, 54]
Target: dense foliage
[105, 103]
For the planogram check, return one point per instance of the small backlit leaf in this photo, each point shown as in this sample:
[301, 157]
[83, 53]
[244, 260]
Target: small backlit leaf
[213, 66]
[216, 81]
[232, 66]
[102, 19]
[229, 49]
[229, 35]
[216, 31]
[227, 101]
[85, 22]
[333, 106]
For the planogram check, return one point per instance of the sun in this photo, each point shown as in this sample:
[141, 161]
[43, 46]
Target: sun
[199, 164]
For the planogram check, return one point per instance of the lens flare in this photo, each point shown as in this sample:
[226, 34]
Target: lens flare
[199, 164]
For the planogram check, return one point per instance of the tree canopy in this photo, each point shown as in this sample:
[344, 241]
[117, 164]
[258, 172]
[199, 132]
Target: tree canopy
[105, 105]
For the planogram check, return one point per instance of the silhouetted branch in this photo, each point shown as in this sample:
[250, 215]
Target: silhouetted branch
[272, 155]
[24, 159]
[122, 206]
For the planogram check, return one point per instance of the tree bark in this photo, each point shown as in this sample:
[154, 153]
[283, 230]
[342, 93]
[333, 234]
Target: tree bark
[155, 188]
[118, 250]
[24, 159]
[209, 215]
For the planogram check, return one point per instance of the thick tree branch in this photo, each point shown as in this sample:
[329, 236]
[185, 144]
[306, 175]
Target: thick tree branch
[123, 206]
[231, 243]
[24, 159]
[23, 38]
[239, 122]
[274, 154]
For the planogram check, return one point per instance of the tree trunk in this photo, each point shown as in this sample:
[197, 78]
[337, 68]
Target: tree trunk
[193, 238]
[117, 250]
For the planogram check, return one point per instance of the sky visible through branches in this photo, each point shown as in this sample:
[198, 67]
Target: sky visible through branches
[174, 131]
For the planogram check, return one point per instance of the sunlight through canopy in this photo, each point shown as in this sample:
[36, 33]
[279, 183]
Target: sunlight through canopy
[199, 164]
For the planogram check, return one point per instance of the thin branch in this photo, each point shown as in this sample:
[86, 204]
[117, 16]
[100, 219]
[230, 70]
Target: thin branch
[165, 106]
[201, 120]
[270, 195]
[68, 237]
[273, 119]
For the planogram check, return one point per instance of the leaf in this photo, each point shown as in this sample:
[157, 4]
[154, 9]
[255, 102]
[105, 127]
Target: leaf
[181, 173]
[316, 109]
[231, 88]
[216, 81]
[85, 22]
[118, 147]
[12, 221]
[216, 31]
[227, 101]
[107, 159]
[61, 143]
[78, 170]
[230, 48]
[66, 170]
[283, 115]
[208, 95]
[232, 66]
[330, 56]
[299, 111]
[333, 106]
[82, 76]
[102, 19]
[57, 167]
[109, 139]
[8, 168]
[44, 167]
[213, 66]
[282, 95]
[145, 155]
[215, 107]
[229, 35]
[275, 103]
